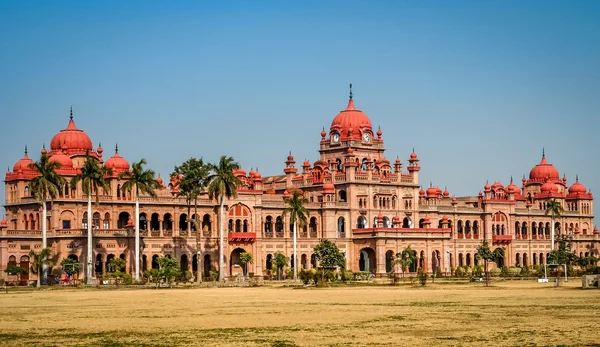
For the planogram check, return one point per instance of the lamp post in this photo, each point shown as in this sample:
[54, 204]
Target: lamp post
[448, 268]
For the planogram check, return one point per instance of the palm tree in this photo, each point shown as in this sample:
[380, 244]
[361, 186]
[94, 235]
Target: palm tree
[298, 217]
[142, 181]
[223, 184]
[40, 261]
[92, 178]
[554, 209]
[406, 258]
[45, 185]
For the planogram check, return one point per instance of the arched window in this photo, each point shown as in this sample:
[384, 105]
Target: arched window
[386, 222]
[363, 167]
[143, 221]
[342, 196]
[206, 226]
[269, 224]
[245, 226]
[238, 225]
[313, 224]
[84, 221]
[341, 227]
[361, 222]
[279, 224]
[106, 221]
[154, 222]
[230, 225]
[183, 223]
[167, 223]
[123, 220]
[96, 220]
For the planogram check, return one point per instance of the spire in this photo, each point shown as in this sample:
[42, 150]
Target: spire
[511, 180]
[350, 91]
[71, 113]
[543, 152]
[99, 144]
[43, 146]
[577, 177]
[25, 149]
[116, 148]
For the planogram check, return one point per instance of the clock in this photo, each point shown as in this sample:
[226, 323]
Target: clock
[366, 136]
[336, 137]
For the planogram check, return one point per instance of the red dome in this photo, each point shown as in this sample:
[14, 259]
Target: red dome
[577, 188]
[3, 222]
[257, 175]
[497, 185]
[351, 118]
[159, 180]
[23, 164]
[239, 172]
[421, 192]
[117, 163]
[432, 191]
[487, 187]
[544, 170]
[446, 193]
[413, 155]
[328, 188]
[512, 188]
[63, 159]
[549, 187]
[71, 138]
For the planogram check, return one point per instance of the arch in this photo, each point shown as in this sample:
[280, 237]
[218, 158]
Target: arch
[304, 261]
[422, 261]
[386, 222]
[341, 226]
[435, 261]
[206, 225]
[313, 225]
[269, 262]
[367, 261]
[525, 262]
[421, 223]
[154, 222]
[407, 222]
[73, 257]
[108, 265]
[279, 224]
[459, 227]
[207, 265]
[106, 221]
[96, 220]
[245, 226]
[123, 220]
[268, 226]
[144, 262]
[476, 229]
[238, 225]
[183, 223]
[468, 227]
[517, 259]
[99, 265]
[183, 264]
[143, 220]
[460, 259]
[235, 265]
[361, 222]
[313, 260]
[389, 261]
[193, 222]
[468, 259]
[84, 221]
[167, 223]
[155, 261]
[534, 258]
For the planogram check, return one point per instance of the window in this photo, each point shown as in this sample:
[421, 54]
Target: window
[66, 224]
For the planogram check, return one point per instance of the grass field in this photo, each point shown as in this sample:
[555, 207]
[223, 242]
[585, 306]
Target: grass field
[506, 314]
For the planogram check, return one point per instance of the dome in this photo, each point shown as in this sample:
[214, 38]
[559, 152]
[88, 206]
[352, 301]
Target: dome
[328, 188]
[544, 170]
[421, 192]
[348, 120]
[497, 185]
[549, 187]
[397, 162]
[413, 155]
[431, 191]
[577, 188]
[379, 133]
[446, 193]
[290, 157]
[117, 163]
[512, 188]
[3, 222]
[63, 159]
[487, 187]
[257, 175]
[23, 164]
[239, 172]
[159, 180]
[71, 138]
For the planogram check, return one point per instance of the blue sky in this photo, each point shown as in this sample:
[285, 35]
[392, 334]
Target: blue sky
[478, 88]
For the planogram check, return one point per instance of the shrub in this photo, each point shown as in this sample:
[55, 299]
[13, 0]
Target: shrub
[422, 275]
[306, 276]
[459, 272]
[188, 275]
[213, 275]
[127, 279]
[251, 274]
[361, 276]
[478, 271]
[439, 273]
[495, 272]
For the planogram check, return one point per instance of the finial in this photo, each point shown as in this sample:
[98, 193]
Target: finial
[99, 144]
[25, 149]
[413, 149]
[577, 177]
[43, 146]
[543, 152]
[430, 184]
[350, 91]
[511, 180]
[116, 148]
[71, 113]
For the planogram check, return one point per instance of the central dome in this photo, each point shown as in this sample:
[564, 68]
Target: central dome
[351, 123]
[543, 170]
[71, 139]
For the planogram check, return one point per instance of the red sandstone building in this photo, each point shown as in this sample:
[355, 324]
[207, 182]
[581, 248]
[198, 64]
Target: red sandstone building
[370, 206]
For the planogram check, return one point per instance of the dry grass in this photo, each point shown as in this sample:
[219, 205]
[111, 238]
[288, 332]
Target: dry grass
[507, 314]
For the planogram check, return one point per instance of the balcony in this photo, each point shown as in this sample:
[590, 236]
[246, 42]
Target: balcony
[502, 238]
[240, 236]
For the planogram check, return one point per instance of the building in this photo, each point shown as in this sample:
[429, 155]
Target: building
[370, 206]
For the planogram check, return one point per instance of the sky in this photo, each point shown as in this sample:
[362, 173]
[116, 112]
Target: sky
[478, 88]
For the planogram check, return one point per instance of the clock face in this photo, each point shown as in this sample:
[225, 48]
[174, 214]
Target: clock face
[336, 137]
[366, 136]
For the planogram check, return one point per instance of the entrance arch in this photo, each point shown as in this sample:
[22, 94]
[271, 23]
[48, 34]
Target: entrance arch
[389, 261]
[207, 265]
[367, 261]
[184, 264]
[235, 265]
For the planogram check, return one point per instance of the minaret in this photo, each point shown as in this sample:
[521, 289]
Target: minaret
[290, 170]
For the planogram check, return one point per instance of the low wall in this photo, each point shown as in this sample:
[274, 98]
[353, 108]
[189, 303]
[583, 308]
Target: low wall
[590, 281]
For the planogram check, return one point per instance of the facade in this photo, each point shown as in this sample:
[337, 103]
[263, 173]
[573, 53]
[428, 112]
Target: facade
[369, 206]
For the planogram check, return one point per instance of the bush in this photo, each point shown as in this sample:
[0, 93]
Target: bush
[127, 279]
[478, 271]
[422, 275]
[346, 275]
[459, 272]
[306, 276]
[213, 275]
[439, 273]
[322, 278]
[495, 272]
[188, 275]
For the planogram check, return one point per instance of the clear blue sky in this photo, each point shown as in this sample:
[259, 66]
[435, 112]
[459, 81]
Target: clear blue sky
[477, 87]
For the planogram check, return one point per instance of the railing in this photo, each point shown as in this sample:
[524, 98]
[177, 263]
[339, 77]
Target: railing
[241, 236]
[313, 234]
[502, 238]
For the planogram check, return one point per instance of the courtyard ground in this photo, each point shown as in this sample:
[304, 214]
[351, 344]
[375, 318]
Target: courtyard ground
[513, 313]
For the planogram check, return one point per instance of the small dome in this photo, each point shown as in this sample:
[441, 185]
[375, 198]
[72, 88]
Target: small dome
[328, 188]
[396, 218]
[431, 191]
[159, 180]
[445, 218]
[380, 216]
[257, 175]
[497, 186]
[413, 155]
[379, 132]
[480, 194]
[397, 162]
[323, 133]
[290, 157]
[129, 222]
[63, 159]
[454, 201]
[44, 151]
[23, 164]
[487, 187]
[544, 170]
[117, 163]
[446, 193]
[438, 191]
[350, 151]
[286, 194]
[549, 187]
[271, 191]
[421, 192]
[577, 188]
[239, 172]
[3, 222]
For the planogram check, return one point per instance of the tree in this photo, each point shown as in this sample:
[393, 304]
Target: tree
[406, 258]
[169, 268]
[192, 180]
[70, 266]
[554, 209]
[92, 178]
[14, 270]
[223, 184]
[39, 261]
[43, 187]
[484, 252]
[245, 259]
[142, 181]
[562, 256]
[280, 261]
[298, 217]
[329, 256]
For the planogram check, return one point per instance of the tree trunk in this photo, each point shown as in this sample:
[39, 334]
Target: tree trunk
[39, 279]
[487, 274]
[221, 243]
[44, 240]
[552, 235]
[295, 265]
[137, 236]
[89, 239]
